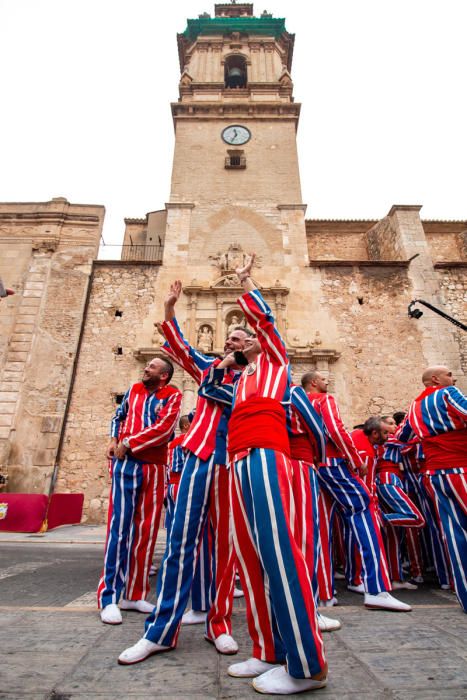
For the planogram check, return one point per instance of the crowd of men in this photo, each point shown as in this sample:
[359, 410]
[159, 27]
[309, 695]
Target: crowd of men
[265, 482]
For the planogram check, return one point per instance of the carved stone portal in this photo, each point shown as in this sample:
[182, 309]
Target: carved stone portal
[233, 257]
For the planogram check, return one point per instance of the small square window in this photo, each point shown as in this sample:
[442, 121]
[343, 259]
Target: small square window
[235, 160]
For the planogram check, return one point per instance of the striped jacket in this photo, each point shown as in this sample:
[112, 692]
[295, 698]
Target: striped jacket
[305, 423]
[148, 420]
[389, 456]
[208, 430]
[339, 443]
[271, 376]
[438, 418]
[176, 456]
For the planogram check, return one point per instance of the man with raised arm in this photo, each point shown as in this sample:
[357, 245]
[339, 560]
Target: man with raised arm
[339, 481]
[438, 418]
[285, 629]
[203, 488]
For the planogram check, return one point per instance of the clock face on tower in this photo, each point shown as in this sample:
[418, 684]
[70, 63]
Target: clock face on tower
[236, 135]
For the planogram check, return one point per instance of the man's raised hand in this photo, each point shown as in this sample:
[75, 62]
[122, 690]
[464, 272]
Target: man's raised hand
[243, 274]
[171, 299]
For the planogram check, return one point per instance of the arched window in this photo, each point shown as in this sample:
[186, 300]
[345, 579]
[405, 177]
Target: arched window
[235, 74]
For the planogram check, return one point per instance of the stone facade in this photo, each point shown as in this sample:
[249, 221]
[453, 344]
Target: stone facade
[339, 289]
[46, 256]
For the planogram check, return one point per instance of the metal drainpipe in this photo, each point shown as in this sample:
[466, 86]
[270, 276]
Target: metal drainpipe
[53, 479]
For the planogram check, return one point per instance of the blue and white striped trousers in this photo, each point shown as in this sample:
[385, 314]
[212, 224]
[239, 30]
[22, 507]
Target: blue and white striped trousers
[358, 511]
[178, 565]
[281, 613]
[201, 589]
[447, 488]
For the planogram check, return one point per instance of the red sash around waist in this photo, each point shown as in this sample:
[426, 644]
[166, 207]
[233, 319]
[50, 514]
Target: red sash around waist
[385, 465]
[258, 422]
[174, 477]
[300, 448]
[445, 450]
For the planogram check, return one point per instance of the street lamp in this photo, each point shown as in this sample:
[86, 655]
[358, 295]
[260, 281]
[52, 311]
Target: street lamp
[417, 313]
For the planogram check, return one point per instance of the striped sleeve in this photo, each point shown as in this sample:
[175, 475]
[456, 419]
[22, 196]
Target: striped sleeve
[339, 433]
[177, 459]
[213, 389]
[457, 401]
[313, 421]
[405, 432]
[161, 431]
[260, 318]
[120, 415]
[179, 349]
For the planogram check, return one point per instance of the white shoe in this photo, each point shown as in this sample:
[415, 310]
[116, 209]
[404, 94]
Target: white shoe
[356, 589]
[328, 603]
[338, 576]
[418, 579]
[445, 587]
[238, 593]
[396, 585]
[111, 615]
[328, 624]
[140, 651]
[278, 682]
[385, 601]
[194, 617]
[250, 668]
[142, 606]
[224, 643]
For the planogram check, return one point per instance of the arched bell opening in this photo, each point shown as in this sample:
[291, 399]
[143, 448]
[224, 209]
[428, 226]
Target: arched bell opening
[235, 73]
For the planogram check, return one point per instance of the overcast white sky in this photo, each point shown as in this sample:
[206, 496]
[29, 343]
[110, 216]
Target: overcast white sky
[86, 87]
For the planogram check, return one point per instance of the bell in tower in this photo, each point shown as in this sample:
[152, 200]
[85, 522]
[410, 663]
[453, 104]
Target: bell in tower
[235, 72]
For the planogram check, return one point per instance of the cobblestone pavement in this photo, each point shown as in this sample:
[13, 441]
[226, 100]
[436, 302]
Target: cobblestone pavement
[54, 646]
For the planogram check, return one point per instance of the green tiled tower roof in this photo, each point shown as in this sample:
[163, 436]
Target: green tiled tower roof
[267, 26]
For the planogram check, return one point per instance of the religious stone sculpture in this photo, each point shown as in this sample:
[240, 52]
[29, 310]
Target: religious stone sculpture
[205, 339]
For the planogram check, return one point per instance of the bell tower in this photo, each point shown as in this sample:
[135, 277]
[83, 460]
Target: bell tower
[235, 185]
[236, 110]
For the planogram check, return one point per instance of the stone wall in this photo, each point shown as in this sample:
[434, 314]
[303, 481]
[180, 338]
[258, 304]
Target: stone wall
[384, 241]
[46, 251]
[117, 321]
[453, 284]
[381, 357]
[447, 240]
[337, 240]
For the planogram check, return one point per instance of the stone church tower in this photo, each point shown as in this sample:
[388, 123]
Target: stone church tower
[235, 182]
[79, 330]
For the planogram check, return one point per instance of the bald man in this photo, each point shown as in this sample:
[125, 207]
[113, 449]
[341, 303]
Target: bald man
[438, 418]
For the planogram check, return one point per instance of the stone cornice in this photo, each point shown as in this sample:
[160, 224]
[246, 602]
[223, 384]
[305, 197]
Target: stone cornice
[404, 207]
[292, 207]
[50, 217]
[234, 291]
[179, 205]
[239, 110]
[127, 263]
[443, 264]
[313, 355]
[360, 263]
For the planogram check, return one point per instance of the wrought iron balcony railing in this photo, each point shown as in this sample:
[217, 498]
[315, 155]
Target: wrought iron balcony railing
[142, 253]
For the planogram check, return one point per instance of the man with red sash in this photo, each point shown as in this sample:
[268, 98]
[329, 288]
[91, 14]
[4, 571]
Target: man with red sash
[203, 489]
[141, 429]
[340, 482]
[285, 629]
[307, 450]
[438, 418]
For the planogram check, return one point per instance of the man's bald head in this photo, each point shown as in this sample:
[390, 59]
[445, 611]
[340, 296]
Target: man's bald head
[438, 375]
